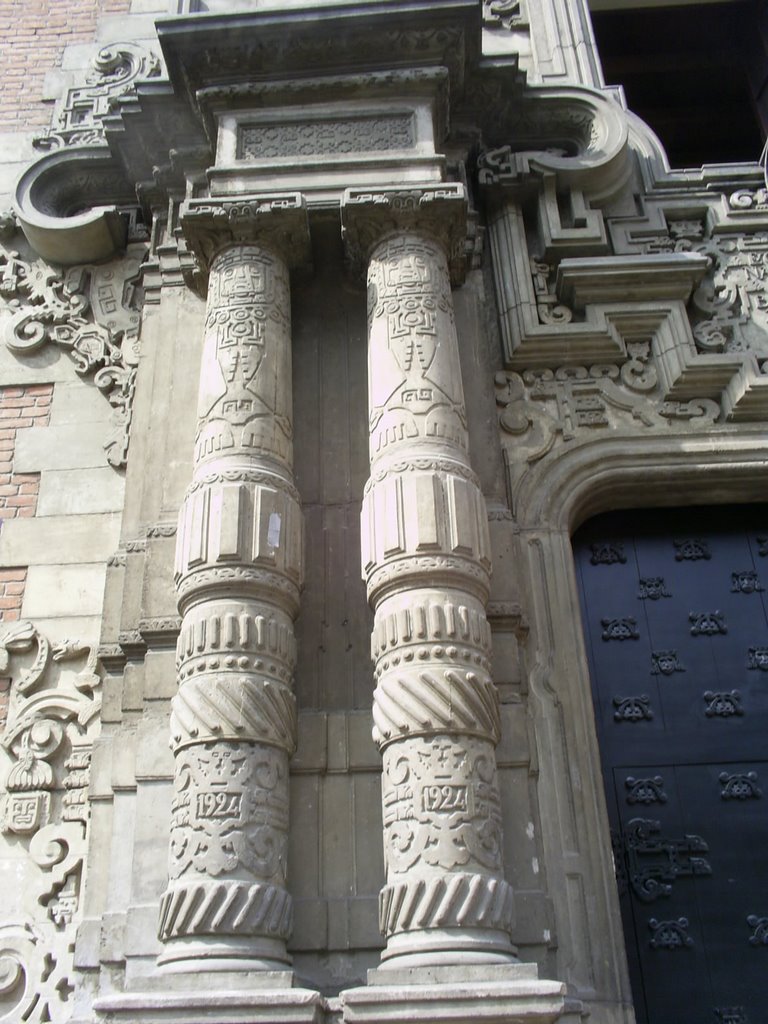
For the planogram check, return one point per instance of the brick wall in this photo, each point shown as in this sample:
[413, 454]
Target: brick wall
[20, 407]
[33, 34]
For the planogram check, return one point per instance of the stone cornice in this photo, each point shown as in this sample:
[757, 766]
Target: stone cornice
[440, 211]
[201, 52]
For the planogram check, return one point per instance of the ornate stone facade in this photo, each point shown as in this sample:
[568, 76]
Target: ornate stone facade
[347, 320]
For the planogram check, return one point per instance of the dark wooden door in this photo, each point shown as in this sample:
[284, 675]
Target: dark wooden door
[675, 608]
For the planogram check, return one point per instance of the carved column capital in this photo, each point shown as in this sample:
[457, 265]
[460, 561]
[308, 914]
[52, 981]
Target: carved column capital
[436, 211]
[277, 221]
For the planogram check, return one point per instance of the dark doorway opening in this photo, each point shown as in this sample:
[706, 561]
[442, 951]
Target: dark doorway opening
[675, 609]
[696, 73]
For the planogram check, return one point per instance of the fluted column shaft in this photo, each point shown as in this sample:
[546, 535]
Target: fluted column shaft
[238, 573]
[426, 560]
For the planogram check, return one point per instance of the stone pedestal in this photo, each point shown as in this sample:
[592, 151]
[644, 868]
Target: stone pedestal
[234, 997]
[501, 994]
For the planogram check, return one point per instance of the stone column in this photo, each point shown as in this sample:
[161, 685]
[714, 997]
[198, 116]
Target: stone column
[238, 574]
[426, 560]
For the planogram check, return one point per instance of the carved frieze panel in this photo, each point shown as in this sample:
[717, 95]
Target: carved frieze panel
[325, 137]
[542, 409]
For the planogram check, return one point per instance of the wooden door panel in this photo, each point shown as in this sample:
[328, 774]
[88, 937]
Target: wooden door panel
[675, 611]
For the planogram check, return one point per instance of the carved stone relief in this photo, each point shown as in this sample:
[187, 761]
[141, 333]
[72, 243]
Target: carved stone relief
[115, 71]
[542, 408]
[53, 719]
[331, 136]
[91, 312]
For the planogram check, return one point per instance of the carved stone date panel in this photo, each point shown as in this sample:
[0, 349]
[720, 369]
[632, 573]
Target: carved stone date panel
[682, 713]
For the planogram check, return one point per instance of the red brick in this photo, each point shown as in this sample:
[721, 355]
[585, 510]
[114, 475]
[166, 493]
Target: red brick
[13, 575]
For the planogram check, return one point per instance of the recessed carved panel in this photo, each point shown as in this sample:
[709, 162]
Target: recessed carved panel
[670, 934]
[620, 629]
[652, 588]
[608, 553]
[723, 704]
[665, 663]
[691, 549]
[739, 786]
[707, 623]
[325, 137]
[632, 709]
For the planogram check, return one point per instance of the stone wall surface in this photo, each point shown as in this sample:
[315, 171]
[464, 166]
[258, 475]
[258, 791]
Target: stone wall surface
[297, 418]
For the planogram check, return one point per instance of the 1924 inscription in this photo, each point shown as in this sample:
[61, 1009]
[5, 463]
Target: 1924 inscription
[444, 798]
[218, 805]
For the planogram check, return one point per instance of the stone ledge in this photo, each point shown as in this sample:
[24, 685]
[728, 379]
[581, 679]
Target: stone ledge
[187, 999]
[503, 994]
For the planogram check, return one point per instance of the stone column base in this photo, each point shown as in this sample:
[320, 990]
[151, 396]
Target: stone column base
[503, 994]
[234, 997]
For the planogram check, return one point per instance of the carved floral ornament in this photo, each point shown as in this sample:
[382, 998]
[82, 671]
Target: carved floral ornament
[46, 749]
[88, 311]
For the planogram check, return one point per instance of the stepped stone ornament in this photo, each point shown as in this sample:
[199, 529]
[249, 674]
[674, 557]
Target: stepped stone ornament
[426, 562]
[112, 79]
[238, 575]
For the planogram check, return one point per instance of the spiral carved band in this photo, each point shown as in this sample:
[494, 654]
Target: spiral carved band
[225, 908]
[424, 703]
[446, 901]
[234, 708]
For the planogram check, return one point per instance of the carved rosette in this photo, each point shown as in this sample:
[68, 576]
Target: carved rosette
[426, 561]
[238, 576]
